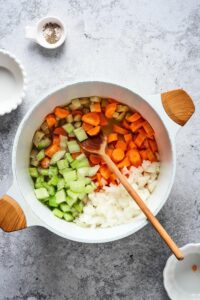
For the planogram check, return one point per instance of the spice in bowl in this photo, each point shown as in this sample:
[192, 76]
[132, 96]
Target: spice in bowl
[52, 32]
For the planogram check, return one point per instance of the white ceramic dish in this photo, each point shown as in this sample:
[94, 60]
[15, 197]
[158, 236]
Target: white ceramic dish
[181, 281]
[35, 33]
[12, 82]
[150, 107]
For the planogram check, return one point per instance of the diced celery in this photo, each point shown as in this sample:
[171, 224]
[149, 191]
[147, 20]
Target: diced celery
[65, 170]
[73, 147]
[57, 156]
[51, 190]
[60, 184]
[69, 128]
[52, 201]
[77, 125]
[77, 118]
[68, 157]
[76, 104]
[69, 118]
[37, 137]
[45, 127]
[39, 182]
[89, 188]
[70, 201]
[81, 156]
[44, 143]
[62, 164]
[70, 176]
[34, 162]
[68, 217]
[84, 171]
[63, 142]
[72, 195]
[77, 186]
[58, 213]
[78, 207]
[60, 196]
[80, 164]
[33, 172]
[64, 207]
[95, 99]
[85, 101]
[87, 180]
[81, 196]
[41, 193]
[80, 134]
[93, 170]
[53, 171]
[71, 134]
[44, 172]
[54, 180]
[34, 153]
[40, 155]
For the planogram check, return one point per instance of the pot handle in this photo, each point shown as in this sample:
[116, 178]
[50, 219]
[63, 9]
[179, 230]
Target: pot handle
[178, 105]
[14, 212]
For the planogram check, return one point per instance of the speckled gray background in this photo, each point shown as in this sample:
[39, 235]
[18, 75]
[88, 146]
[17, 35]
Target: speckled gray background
[151, 46]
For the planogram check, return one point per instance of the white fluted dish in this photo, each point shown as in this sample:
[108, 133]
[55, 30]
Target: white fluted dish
[12, 82]
[181, 281]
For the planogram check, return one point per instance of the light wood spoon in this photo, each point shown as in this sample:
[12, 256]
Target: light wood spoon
[98, 145]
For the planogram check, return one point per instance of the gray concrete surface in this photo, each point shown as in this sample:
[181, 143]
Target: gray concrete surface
[152, 46]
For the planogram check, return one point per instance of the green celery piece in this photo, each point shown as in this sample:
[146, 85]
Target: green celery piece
[69, 128]
[61, 184]
[81, 196]
[81, 156]
[70, 176]
[69, 157]
[39, 182]
[80, 134]
[44, 143]
[63, 142]
[40, 155]
[33, 172]
[77, 186]
[69, 118]
[60, 196]
[57, 156]
[76, 164]
[72, 195]
[54, 180]
[73, 147]
[78, 207]
[93, 170]
[51, 190]
[68, 217]
[44, 172]
[64, 207]
[34, 162]
[58, 213]
[52, 201]
[89, 189]
[65, 170]
[70, 201]
[41, 193]
[76, 104]
[62, 164]
[53, 171]
[84, 171]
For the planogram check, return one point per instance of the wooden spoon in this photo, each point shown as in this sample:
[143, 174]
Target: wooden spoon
[98, 145]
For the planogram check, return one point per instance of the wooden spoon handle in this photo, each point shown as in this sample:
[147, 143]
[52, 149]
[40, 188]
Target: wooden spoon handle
[153, 220]
[178, 105]
[12, 217]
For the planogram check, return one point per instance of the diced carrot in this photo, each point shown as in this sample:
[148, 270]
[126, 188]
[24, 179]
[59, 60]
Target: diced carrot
[109, 151]
[45, 163]
[128, 137]
[119, 129]
[125, 124]
[103, 120]
[99, 179]
[151, 155]
[117, 155]
[132, 145]
[136, 125]
[112, 137]
[144, 154]
[95, 159]
[105, 172]
[86, 126]
[94, 131]
[121, 144]
[147, 127]
[91, 118]
[59, 131]
[95, 107]
[113, 178]
[110, 109]
[153, 145]
[61, 113]
[56, 140]
[145, 144]
[134, 157]
[51, 120]
[51, 150]
[140, 138]
[98, 189]
[124, 163]
[76, 112]
[136, 116]
[94, 177]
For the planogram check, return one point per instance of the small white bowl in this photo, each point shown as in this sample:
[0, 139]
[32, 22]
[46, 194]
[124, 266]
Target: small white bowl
[12, 82]
[182, 278]
[35, 33]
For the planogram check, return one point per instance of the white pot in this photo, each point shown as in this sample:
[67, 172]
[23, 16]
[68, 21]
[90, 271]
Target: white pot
[177, 104]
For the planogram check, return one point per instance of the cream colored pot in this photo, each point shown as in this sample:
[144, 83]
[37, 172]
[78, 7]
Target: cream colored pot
[166, 113]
